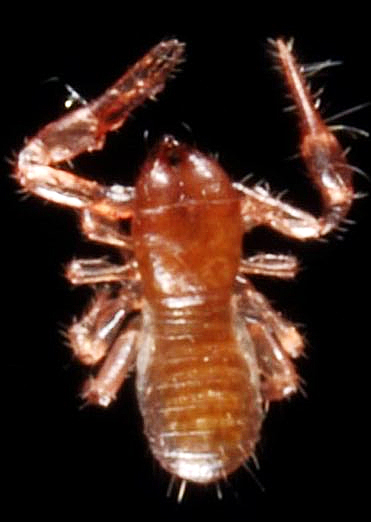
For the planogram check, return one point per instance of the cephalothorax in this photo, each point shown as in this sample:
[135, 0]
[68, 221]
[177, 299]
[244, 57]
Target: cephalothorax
[210, 352]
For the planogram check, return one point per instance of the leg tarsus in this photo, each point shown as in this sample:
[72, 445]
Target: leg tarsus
[270, 265]
[102, 389]
[279, 378]
[256, 307]
[94, 271]
[276, 341]
[91, 336]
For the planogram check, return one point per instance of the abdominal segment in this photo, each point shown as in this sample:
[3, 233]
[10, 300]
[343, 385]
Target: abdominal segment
[198, 395]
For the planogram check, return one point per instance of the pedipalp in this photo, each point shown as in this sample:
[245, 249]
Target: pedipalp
[325, 161]
[85, 129]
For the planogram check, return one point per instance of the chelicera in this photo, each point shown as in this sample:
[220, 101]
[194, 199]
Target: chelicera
[210, 353]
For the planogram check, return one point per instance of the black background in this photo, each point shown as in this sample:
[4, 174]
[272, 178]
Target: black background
[313, 450]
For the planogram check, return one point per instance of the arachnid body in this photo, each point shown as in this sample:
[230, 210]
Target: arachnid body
[209, 351]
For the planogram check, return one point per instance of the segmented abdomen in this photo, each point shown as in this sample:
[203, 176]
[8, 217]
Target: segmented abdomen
[198, 394]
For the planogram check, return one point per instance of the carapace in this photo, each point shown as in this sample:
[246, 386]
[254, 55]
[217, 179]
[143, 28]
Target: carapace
[210, 352]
